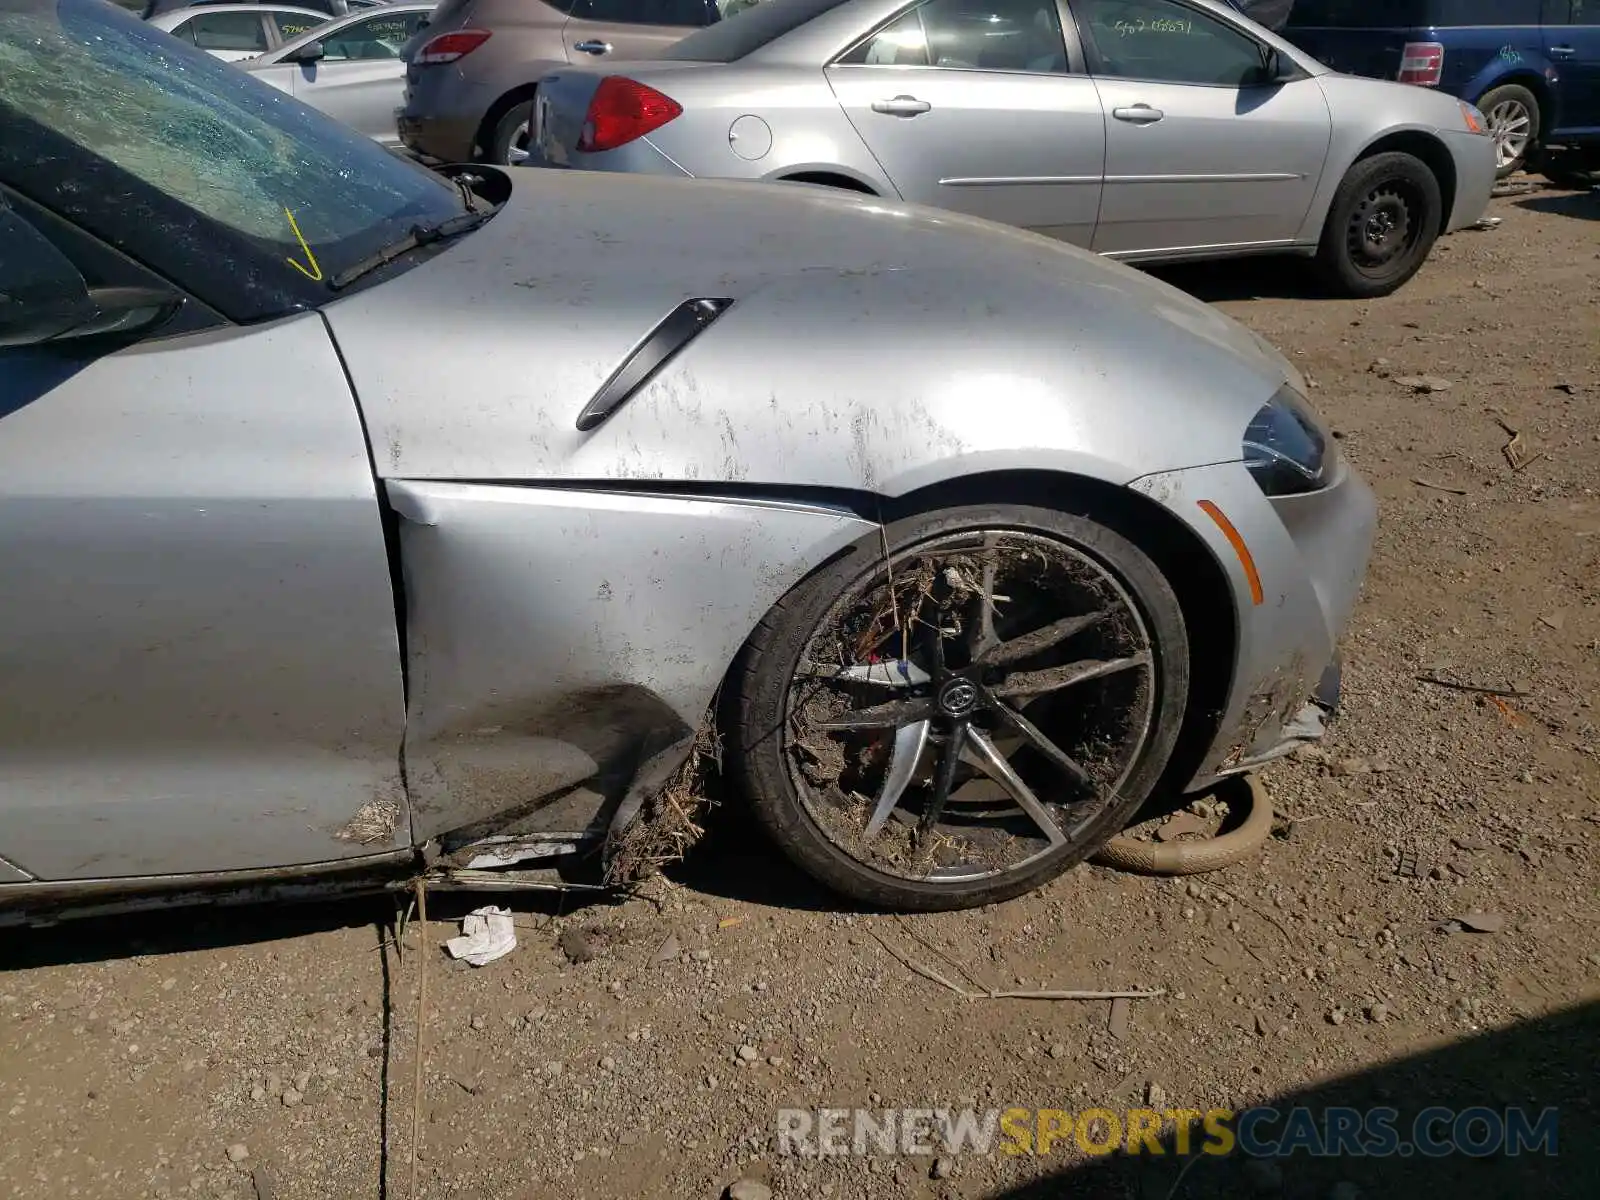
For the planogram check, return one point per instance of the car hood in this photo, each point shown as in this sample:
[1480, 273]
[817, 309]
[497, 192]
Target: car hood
[475, 363]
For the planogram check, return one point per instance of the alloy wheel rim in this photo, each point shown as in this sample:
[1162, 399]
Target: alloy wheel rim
[521, 142]
[947, 724]
[1510, 124]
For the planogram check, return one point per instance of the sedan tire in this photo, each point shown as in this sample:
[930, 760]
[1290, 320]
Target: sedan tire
[1381, 225]
[957, 711]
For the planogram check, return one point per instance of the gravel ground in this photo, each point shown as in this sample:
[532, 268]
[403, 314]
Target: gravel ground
[264, 1053]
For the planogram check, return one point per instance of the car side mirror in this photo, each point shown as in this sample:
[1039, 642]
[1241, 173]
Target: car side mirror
[44, 294]
[311, 52]
[1276, 67]
[113, 313]
[46, 298]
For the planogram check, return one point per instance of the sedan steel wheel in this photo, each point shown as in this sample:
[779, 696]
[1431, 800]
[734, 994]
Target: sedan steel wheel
[1383, 226]
[972, 708]
[1511, 126]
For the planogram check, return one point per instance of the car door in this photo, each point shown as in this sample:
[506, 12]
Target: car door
[197, 627]
[230, 36]
[974, 105]
[628, 29]
[1200, 150]
[360, 79]
[1572, 42]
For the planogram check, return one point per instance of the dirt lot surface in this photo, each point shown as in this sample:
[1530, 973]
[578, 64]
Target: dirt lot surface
[248, 1053]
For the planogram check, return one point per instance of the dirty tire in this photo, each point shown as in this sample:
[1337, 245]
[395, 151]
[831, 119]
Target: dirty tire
[758, 721]
[1194, 858]
[1512, 112]
[1393, 195]
[507, 132]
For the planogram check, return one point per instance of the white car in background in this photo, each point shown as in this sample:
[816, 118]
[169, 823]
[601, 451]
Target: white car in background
[234, 32]
[350, 67]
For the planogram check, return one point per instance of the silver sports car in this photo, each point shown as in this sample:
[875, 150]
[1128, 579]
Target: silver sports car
[1143, 129]
[362, 521]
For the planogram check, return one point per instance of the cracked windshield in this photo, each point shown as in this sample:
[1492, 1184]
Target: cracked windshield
[236, 152]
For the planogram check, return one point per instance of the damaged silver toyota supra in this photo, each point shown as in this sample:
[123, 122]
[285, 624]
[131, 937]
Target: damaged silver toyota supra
[363, 522]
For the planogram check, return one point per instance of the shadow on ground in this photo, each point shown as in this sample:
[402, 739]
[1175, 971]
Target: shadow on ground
[1540, 1063]
[1275, 278]
[734, 860]
[164, 931]
[178, 931]
[738, 861]
[1583, 205]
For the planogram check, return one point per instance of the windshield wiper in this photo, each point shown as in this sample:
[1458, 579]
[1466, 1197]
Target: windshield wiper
[469, 197]
[420, 235]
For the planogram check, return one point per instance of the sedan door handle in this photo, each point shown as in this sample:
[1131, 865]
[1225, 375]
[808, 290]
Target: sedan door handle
[901, 106]
[593, 47]
[1562, 51]
[1139, 114]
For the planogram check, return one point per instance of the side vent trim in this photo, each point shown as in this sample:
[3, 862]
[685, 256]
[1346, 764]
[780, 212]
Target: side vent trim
[680, 327]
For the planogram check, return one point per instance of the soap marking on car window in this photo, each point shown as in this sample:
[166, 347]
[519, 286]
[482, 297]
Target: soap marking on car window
[312, 272]
[1126, 28]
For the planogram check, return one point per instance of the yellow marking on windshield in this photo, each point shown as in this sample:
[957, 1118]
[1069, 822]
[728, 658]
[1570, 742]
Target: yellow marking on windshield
[314, 271]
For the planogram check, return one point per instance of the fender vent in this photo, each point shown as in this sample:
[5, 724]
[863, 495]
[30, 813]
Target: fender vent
[680, 327]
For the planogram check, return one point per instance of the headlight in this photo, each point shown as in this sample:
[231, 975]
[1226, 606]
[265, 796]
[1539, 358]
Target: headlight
[1473, 118]
[1285, 448]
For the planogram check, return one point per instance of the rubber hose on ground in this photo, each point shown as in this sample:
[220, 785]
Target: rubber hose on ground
[1193, 858]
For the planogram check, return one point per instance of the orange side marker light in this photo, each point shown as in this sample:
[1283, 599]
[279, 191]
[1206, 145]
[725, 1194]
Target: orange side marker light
[1239, 548]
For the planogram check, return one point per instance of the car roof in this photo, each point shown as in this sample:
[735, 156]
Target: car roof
[179, 15]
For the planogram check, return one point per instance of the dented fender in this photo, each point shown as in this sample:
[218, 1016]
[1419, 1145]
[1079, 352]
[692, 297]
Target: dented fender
[547, 650]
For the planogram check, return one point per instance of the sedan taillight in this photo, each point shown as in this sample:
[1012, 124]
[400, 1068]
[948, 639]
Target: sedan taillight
[621, 110]
[1422, 63]
[448, 47]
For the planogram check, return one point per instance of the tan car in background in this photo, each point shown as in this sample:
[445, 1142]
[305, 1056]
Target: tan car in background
[472, 72]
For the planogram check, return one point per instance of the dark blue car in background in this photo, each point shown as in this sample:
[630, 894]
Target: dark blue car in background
[1531, 66]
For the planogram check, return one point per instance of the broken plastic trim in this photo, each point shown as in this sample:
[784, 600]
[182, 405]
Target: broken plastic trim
[680, 327]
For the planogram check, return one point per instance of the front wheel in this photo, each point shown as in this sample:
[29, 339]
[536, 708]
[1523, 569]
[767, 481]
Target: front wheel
[1381, 225]
[954, 713]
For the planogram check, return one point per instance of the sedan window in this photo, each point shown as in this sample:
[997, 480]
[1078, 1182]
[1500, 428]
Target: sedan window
[982, 35]
[373, 38]
[1166, 42]
[647, 12]
[292, 25]
[228, 31]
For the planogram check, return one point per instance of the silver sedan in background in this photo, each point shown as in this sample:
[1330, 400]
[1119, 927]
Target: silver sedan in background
[350, 68]
[1143, 129]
